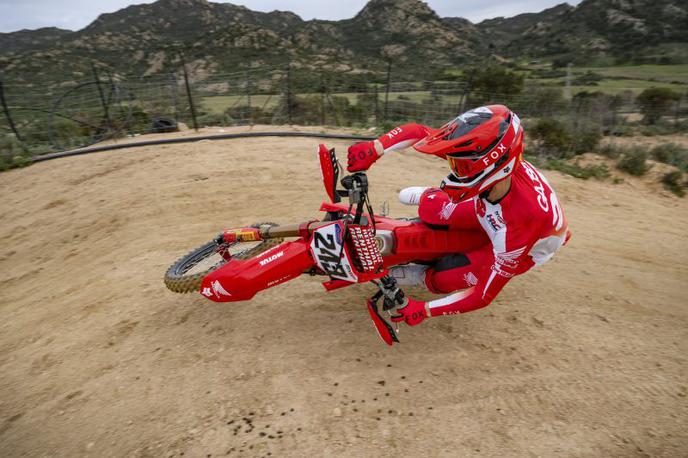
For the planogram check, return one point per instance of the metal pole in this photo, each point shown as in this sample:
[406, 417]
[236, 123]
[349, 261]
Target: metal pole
[175, 96]
[248, 97]
[188, 93]
[466, 91]
[7, 112]
[389, 77]
[377, 106]
[322, 100]
[103, 103]
[289, 95]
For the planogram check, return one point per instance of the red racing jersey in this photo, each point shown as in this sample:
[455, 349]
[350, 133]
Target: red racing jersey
[526, 227]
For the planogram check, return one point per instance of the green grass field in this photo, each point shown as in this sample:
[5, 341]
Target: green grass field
[664, 73]
[617, 79]
[219, 103]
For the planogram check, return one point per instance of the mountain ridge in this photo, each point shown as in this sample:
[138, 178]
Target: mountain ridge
[221, 37]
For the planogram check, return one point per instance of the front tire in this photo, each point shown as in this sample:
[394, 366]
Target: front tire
[187, 273]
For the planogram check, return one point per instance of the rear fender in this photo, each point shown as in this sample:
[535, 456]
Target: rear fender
[240, 280]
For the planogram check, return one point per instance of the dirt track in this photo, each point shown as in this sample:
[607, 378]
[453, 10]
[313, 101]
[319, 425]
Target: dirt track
[585, 357]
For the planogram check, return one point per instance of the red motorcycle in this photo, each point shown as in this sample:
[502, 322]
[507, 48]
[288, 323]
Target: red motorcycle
[349, 245]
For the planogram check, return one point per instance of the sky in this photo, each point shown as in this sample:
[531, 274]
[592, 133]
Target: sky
[77, 14]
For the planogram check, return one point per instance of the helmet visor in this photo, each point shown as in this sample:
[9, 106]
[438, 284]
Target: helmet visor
[466, 122]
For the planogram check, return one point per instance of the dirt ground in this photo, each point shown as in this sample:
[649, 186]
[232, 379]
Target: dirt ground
[586, 356]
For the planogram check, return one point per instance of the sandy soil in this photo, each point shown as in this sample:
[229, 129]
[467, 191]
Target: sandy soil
[586, 356]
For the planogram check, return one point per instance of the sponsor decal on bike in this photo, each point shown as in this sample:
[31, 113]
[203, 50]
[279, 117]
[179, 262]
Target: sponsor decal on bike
[218, 289]
[326, 248]
[207, 292]
[279, 280]
[269, 259]
[338, 233]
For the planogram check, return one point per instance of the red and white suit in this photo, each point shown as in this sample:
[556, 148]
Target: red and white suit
[525, 227]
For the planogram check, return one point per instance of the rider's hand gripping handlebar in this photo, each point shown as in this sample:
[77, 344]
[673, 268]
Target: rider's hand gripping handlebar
[393, 298]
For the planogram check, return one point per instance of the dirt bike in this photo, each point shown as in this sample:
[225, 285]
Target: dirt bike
[349, 245]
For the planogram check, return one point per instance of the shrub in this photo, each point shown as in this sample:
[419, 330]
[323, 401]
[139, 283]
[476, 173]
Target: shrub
[661, 127]
[672, 182]
[553, 138]
[12, 152]
[610, 150]
[585, 139]
[585, 172]
[494, 82]
[671, 153]
[655, 102]
[634, 162]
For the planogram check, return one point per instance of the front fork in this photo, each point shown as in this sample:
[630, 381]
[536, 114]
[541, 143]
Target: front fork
[393, 299]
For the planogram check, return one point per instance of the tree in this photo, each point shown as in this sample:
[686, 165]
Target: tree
[496, 84]
[655, 102]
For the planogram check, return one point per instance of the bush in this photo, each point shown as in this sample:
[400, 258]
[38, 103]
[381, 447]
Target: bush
[655, 102]
[553, 137]
[634, 162]
[672, 182]
[585, 172]
[661, 127]
[558, 139]
[494, 82]
[672, 154]
[585, 139]
[610, 150]
[12, 152]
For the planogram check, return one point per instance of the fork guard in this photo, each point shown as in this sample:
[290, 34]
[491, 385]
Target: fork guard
[383, 328]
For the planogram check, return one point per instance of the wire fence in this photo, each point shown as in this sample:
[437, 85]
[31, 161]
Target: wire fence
[41, 118]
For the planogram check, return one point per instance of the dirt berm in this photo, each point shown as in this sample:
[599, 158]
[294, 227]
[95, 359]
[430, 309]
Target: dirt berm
[586, 356]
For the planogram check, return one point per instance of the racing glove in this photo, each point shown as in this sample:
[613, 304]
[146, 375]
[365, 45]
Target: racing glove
[361, 156]
[413, 313]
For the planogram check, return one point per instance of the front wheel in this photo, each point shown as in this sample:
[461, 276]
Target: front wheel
[187, 273]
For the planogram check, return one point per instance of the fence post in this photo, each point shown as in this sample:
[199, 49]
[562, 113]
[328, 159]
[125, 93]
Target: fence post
[322, 99]
[103, 103]
[188, 93]
[10, 121]
[377, 106]
[248, 98]
[175, 96]
[289, 94]
[389, 77]
[466, 91]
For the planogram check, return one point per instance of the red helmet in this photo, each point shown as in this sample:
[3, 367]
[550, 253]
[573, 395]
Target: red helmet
[483, 146]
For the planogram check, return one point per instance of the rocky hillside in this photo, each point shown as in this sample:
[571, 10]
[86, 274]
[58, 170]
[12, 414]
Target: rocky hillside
[221, 38]
[613, 31]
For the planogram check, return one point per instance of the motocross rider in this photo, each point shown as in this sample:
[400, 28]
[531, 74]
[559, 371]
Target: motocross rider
[490, 188]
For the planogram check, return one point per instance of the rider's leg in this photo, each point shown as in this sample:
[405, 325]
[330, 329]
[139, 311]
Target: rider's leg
[411, 196]
[458, 271]
[409, 274]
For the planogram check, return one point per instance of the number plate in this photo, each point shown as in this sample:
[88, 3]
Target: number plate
[326, 245]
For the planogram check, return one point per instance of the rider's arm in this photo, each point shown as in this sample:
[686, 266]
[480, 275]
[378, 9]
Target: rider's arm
[362, 155]
[400, 138]
[490, 283]
[490, 279]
